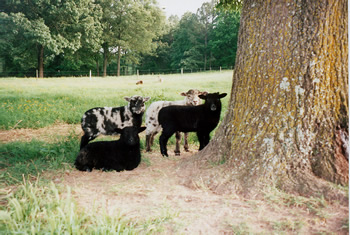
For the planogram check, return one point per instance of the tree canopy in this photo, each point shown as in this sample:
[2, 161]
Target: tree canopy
[65, 38]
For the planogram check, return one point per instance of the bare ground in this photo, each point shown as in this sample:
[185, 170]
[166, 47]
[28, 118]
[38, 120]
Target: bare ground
[156, 190]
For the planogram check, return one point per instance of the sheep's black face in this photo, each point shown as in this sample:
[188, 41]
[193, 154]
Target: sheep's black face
[130, 135]
[213, 100]
[137, 104]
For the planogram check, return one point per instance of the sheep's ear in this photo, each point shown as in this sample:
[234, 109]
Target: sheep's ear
[183, 94]
[203, 96]
[141, 129]
[118, 130]
[222, 95]
[146, 99]
[127, 98]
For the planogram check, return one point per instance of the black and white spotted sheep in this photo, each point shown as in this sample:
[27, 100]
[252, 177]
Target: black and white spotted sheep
[151, 121]
[105, 120]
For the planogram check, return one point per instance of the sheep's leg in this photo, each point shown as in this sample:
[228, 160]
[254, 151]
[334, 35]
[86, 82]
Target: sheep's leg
[186, 141]
[148, 143]
[163, 140]
[177, 146]
[203, 140]
[152, 137]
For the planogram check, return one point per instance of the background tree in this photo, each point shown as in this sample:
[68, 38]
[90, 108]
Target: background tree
[223, 36]
[207, 15]
[160, 59]
[129, 28]
[187, 46]
[54, 26]
[287, 121]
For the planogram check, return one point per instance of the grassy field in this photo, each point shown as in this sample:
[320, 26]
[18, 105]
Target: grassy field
[34, 103]
[38, 103]
[41, 192]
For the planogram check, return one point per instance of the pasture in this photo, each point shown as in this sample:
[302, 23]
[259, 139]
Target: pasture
[42, 192]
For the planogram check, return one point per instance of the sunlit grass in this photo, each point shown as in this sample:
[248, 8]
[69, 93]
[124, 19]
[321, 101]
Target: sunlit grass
[35, 103]
[36, 208]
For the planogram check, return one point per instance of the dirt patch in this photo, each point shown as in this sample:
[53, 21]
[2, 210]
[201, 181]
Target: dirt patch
[44, 134]
[156, 190]
[159, 190]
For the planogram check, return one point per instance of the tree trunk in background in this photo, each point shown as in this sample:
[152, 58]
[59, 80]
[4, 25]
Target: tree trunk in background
[119, 56]
[105, 59]
[97, 68]
[287, 120]
[41, 61]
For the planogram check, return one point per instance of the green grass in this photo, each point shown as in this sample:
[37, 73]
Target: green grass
[35, 103]
[34, 157]
[41, 209]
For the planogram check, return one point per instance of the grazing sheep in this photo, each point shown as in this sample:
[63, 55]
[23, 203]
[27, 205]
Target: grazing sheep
[201, 119]
[139, 82]
[104, 120]
[153, 127]
[119, 155]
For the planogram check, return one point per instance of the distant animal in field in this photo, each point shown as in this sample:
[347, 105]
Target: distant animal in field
[151, 120]
[105, 120]
[119, 155]
[139, 82]
[201, 119]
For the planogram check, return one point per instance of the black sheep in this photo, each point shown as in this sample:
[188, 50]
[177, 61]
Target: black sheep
[119, 155]
[201, 119]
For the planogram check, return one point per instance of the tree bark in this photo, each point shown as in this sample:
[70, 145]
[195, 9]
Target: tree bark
[97, 68]
[289, 102]
[119, 56]
[41, 61]
[105, 59]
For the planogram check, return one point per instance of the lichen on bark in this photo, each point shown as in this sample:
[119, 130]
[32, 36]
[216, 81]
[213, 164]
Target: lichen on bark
[289, 97]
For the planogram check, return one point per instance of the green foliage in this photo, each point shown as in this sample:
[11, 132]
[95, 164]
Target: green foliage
[84, 35]
[225, 35]
[32, 158]
[186, 47]
[134, 25]
[59, 26]
[230, 5]
[197, 42]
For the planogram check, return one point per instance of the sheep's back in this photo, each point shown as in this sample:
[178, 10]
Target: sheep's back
[182, 118]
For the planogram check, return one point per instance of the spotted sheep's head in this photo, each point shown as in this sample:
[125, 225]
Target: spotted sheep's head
[192, 97]
[137, 103]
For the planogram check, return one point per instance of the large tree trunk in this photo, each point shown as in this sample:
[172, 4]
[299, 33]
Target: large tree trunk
[287, 120]
[41, 61]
